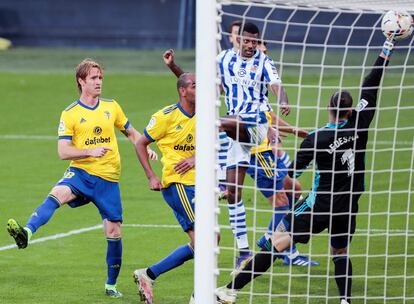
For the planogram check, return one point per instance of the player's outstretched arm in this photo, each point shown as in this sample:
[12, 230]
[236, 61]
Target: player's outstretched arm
[282, 97]
[133, 136]
[284, 126]
[67, 151]
[367, 104]
[141, 148]
[168, 57]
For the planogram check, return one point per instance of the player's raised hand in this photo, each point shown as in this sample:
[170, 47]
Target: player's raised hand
[274, 136]
[284, 108]
[155, 184]
[168, 57]
[152, 154]
[185, 165]
[99, 151]
[282, 97]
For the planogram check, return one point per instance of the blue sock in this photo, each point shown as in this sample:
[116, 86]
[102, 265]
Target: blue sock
[278, 214]
[173, 260]
[43, 213]
[113, 259]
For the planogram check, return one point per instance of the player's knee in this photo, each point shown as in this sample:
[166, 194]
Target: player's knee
[281, 199]
[292, 187]
[114, 234]
[63, 194]
[287, 183]
[281, 239]
[191, 245]
[112, 229]
[233, 196]
[298, 188]
[225, 126]
[191, 235]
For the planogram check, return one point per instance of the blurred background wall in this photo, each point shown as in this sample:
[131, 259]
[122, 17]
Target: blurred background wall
[99, 23]
[159, 24]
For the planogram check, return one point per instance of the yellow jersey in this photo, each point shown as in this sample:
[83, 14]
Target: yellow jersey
[89, 128]
[264, 146]
[174, 132]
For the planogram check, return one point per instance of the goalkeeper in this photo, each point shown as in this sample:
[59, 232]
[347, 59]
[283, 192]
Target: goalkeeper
[338, 151]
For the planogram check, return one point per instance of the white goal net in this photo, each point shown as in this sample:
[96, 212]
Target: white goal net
[318, 48]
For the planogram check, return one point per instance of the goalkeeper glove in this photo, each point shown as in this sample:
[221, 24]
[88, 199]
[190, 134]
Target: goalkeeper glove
[388, 47]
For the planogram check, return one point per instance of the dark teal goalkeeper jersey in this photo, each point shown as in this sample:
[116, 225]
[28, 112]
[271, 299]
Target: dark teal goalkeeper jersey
[338, 151]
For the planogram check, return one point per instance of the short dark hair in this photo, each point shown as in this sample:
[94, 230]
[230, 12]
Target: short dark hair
[340, 103]
[249, 28]
[183, 81]
[235, 23]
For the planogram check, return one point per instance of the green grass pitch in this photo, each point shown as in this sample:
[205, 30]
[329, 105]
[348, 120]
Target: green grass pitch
[36, 85]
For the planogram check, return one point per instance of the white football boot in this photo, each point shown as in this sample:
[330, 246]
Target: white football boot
[145, 285]
[226, 295]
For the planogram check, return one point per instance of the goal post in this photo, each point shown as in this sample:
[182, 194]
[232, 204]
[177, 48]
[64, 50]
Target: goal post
[318, 47]
[205, 265]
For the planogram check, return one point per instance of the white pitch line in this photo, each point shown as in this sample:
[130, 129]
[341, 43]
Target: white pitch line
[99, 226]
[56, 236]
[150, 226]
[48, 137]
[82, 230]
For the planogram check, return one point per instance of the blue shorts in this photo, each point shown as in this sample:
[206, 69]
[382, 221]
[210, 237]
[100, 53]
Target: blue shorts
[181, 200]
[91, 188]
[267, 174]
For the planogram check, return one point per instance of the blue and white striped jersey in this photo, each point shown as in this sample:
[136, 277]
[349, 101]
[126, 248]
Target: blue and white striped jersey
[245, 82]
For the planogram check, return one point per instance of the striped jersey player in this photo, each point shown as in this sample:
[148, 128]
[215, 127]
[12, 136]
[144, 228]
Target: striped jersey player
[246, 75]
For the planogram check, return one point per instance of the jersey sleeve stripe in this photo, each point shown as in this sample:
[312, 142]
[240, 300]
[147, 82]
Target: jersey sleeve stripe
[65, 137]
[148, 136]
[127, 125]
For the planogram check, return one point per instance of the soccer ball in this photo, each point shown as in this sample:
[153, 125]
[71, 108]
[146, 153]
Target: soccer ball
[397, 25]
